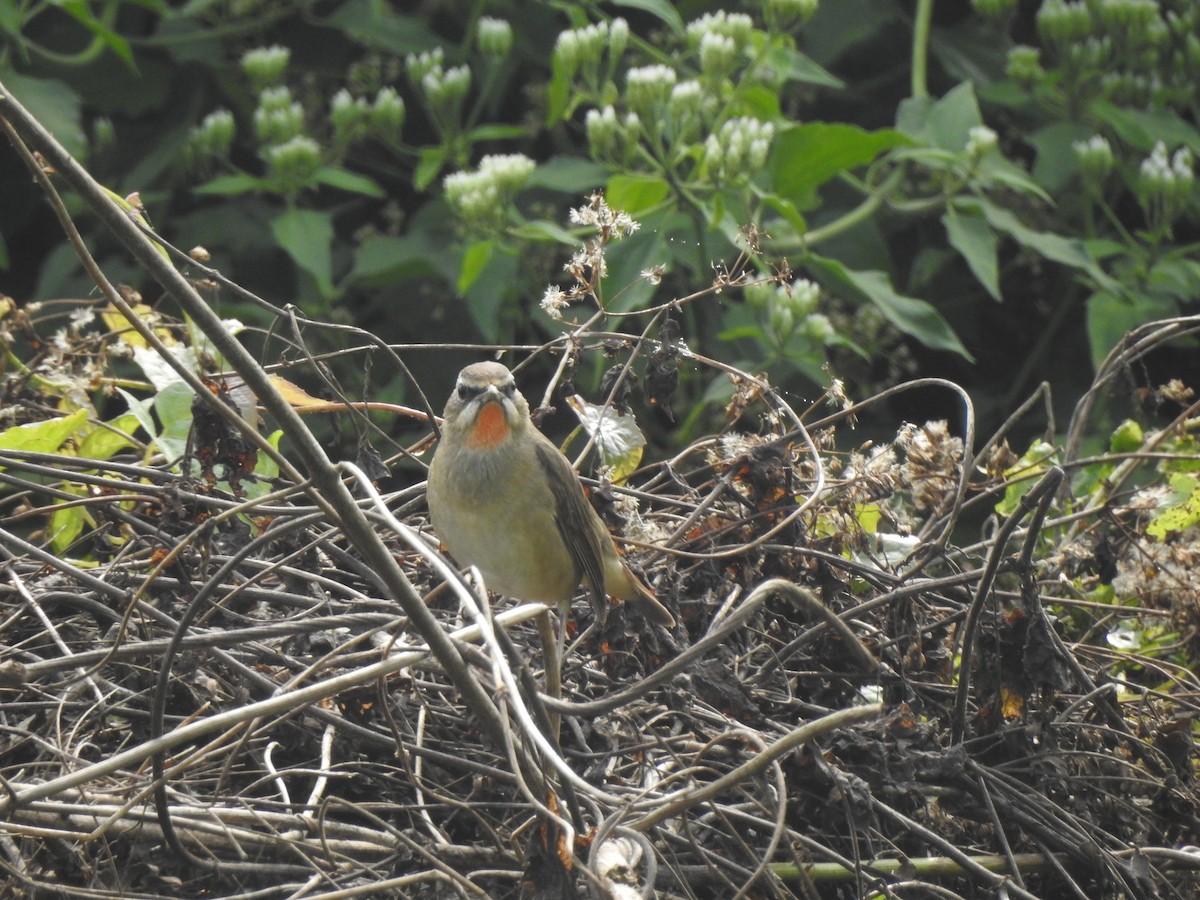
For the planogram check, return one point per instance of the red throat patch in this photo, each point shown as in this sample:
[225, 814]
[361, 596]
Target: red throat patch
[491, 427]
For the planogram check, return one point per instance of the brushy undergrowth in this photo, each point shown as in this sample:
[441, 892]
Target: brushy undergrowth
[933, 663]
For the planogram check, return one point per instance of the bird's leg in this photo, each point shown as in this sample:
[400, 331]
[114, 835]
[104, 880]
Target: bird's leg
[552, 638]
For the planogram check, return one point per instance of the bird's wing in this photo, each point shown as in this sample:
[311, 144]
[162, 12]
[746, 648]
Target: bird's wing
[573, 516]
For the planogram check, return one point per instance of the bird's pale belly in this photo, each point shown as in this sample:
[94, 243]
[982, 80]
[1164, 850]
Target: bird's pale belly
[514, 564]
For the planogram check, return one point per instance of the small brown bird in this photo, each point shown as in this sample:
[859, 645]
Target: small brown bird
[503, 498]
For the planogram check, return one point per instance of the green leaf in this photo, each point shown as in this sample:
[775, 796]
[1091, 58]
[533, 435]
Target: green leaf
[1177, 277]
[542, 230]
[787, 209]
[1026, 471]
[43, 437]
[66, 524]
[912, 316]
[1068, 251]
[1103, 248]
[231, 185]
[1181, 511]
[374, 25]
[971, 236]
[970, 51]
[497, 132]
[387, 259]
[266, 467]
[1111, 317]
[307, 237]
[568, 174]
[996, 171]
[624, 287]
[81, 12]
[493, 291]
[869, 515]
[349, 181]
[102, 443]
[473, 262]
[742, 332]
[11, 18]
[1055, 166]
[806, 156]
[429, 162]
[795, 66]
[636, 193]
[759, 102]
[665, 12]
[1185, 452]
[173, 407]
[52, 103]
[1127, 438]
[1142, 129]
[944, 123]
[158, 371]
[141, 410]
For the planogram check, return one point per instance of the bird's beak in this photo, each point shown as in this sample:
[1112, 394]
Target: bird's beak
[493, 395]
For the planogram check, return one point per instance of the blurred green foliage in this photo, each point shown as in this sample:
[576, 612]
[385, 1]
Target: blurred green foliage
[995, 193]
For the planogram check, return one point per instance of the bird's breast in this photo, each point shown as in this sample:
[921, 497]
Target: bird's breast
[490, 428]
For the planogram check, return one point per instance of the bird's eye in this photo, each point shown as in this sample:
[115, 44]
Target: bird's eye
[466, 391]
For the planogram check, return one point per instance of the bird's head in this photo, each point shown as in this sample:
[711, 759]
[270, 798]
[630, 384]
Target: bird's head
[486, 409]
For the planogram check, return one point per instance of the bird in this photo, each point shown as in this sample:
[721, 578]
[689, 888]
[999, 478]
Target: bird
[504, 499]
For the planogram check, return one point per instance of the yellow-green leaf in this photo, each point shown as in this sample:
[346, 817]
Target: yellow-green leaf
[43, 437]
[868, 516]
[1127, 438]
[66, 524]
[617, 437]
[103, 442]
[1026, 473]
[1182, 511]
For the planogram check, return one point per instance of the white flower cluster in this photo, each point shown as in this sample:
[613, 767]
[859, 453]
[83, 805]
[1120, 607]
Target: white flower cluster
[980, 141]
[265, 65]
[356, 118]
[786, 14]
[444, 89]
[581, 49]
[1165, 183]
[604, 219]
[613, 137]
[719, 38]
[212, 138]
[1095, 159]
[278, 117]
[648, 88]
[294, 161]
[1157, 167]
[494, 37]
[738, 27]
[480, 197]
[738, 149]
